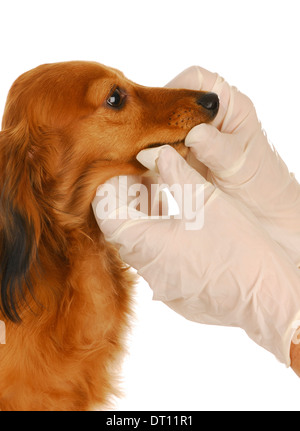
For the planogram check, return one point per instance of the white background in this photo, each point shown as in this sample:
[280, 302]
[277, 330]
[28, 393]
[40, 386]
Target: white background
[172, 363]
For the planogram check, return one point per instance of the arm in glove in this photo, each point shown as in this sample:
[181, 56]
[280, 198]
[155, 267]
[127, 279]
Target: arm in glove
[241, 161]
[228, 271]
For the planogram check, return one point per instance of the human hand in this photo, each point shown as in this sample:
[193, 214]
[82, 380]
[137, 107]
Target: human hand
[242, 163]
[225, 270]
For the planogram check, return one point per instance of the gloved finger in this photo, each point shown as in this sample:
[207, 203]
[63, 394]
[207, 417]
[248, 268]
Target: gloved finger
[173, 170]
[194, 78]
[184, 183]
[172, 167]
[220, 152]
[150, 157]
[234, 105]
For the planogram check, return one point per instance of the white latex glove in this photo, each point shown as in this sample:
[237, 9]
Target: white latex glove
[227, 272]
[241, 161]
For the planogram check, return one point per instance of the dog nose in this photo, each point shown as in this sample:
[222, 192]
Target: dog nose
[209, 101]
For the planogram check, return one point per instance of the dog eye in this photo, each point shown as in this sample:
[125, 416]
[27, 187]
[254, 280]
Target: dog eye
[116, 98]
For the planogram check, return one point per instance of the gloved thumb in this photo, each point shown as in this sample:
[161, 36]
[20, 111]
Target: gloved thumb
[220, 152]
[189, 189]
[170, 165]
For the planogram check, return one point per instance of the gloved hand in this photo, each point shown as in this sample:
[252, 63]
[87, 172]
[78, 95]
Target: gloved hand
[224, 271]
[241, 161]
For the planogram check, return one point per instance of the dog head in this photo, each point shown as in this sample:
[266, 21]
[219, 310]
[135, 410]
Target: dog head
[68, 127]
[100, 113]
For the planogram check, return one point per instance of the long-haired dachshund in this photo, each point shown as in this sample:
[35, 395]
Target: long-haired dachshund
[65, 293]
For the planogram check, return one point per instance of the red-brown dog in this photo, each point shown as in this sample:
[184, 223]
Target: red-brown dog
[65, 294]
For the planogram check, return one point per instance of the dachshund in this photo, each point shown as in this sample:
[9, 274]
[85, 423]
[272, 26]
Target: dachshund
[65, 295]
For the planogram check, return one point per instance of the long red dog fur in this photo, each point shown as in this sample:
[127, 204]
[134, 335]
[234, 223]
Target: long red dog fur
[65, 294]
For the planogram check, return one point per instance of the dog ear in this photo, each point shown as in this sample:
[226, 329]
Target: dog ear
[20, 221]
